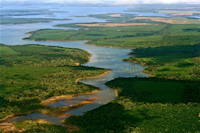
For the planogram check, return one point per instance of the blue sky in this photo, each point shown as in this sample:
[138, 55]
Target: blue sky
[117, 1]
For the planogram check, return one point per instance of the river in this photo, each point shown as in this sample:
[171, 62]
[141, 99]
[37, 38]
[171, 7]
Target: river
[103, 57]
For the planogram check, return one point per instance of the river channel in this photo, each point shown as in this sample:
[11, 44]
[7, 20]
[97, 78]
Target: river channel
[103, 57]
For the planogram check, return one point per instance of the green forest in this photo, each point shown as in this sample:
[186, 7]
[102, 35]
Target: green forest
[145, 105]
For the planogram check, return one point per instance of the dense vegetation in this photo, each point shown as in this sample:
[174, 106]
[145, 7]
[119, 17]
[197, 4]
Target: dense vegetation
[180, 62]
[103, 36]
[129, 36]
[32, 73]
[146, 105]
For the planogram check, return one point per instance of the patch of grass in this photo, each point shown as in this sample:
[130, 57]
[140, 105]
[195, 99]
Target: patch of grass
[6, 51]
[145, 105]
[34, 73]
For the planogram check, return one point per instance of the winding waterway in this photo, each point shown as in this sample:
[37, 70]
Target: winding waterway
[103, 57]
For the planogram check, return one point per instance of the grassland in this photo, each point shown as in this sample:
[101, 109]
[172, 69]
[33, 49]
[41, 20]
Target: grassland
[145, 105]
[33, 73]
[171, 20]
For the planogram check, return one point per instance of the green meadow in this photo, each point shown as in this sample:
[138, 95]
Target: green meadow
[33, 73]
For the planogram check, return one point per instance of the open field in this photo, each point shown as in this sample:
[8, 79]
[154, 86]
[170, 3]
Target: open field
[170, 20]
[112, 24]
[33, 73]
[145, 105]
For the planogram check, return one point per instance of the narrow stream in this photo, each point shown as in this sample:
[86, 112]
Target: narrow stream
[103, 57]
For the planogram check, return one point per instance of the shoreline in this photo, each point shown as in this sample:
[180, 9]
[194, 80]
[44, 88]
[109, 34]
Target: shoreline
[105, 73]
[61, 113]
[54, 99]
[145, 71]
